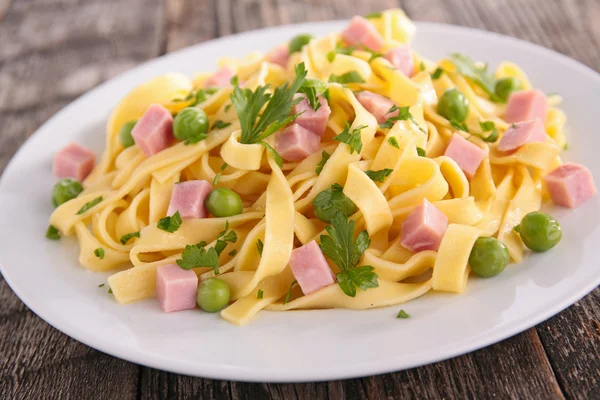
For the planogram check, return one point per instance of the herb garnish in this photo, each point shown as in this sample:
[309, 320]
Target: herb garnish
[220, 124]
[99, 252]
[289, 292]
[421, 152]
[170, 223]
[345, 252]
[324, 157]
[488, 126]
[379, 176]
[348, 77]
[125, 238]
[259, 294]
[403, 115]
[274, 153]
[233, 252]
[235, 81]
[218, 175]
[312, 88]
[52, 233]
[352, 139]
[197, 255]
[402, 314]
[259, 246]
[89, 205]
[437, 73]
[393, 141]
[373, 15]
[480, 75]
[461, 126]
[199, 96]
[101, 285]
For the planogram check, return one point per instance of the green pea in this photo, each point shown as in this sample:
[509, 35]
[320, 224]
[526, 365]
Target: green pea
[488, 257]
[453, 105]
[190, 122]
[213, 295]
[505, 86]
[125, 134]
[539, 231]
[65, 190]
[330, 201]
[298, 42]
[223, 202]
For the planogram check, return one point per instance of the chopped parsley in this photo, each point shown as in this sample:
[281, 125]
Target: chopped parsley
[170, 223]
[259, 246]
[99, 252]
[324, 157]
[218, 175]
[403, 115]
[312, 88]
[352, 139]
[274, 153]
[101, 285]
[373, 15]
[348, 77]
[437, 73]
[195, 256]
[125, 238]
[235, 81]
[289, 292]
[220, 124]
[402, 315]
[233, 252]
[488, 126]
[421, 152]
[461, 126]
[348, 51]
[478, 74]
[52, 233]
[379, 176]
[422, 66]
[341, 247]
[259, 294]
[393, 141]
[110, 291]
[195, 138]
[197, 95]
[89, 205]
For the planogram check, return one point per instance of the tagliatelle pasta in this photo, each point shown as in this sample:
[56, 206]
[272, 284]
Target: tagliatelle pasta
[373, 209]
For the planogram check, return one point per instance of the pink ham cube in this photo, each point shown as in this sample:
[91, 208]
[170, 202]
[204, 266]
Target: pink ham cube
[154, 130]
[295, 143]
[310, 268]
[188, 198]
[377, 105]
[314, 121]
[570, 185]
[220, 79]
[176, 288]
[401, 57]
[467, 155]
[74, 161]
[362, 32]
[424, 228]
[525, 105]
[279, 55]
[522, 132]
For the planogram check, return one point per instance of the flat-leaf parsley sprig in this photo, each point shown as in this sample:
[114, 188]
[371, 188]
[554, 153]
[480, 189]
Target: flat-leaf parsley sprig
[341, 247]
[351, 138]
[197, 255]
[403, 115]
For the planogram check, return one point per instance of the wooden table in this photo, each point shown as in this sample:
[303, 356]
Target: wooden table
[52, 51]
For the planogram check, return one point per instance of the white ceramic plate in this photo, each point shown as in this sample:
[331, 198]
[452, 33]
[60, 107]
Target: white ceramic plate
[301, 345]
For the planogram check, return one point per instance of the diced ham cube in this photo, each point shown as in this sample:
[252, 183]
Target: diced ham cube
[74, 161]
[362, 32]
[279, 55]
[310, 268]
[154, 130]
[401, 57]
[522, 132]
[295, 143]
[220, 79]
[188, 198]
[377, 105]
[424, 228]
[467, 155]
[314, 121]
[525, 105]
[570, 185]
[176, 288]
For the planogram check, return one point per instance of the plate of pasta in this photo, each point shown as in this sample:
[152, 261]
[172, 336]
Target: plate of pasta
[349, 198]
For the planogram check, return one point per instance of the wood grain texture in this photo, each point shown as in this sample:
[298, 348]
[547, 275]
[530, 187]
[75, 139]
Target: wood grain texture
[51, 51]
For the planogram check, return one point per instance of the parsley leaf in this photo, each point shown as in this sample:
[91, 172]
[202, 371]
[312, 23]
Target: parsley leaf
[403, 115]
[312, 88]
[248, 104]
[379, 176]
[421, 152]
[170, 223]
[465, 66]
[99, 252]
[101, 285]
[459, 125]
[110, 291]
[333, 198]
[259, 246]
[218, 176]
[233, 252]
[52, 233]
[125, 238]
[345, 252]
[348, 77]
[195, 138]
[220, 124]
[437, 73]
[195, 256]
[402, 314]
[324, 157]
[373, 15]
[489, 126]
[274, 153]
[259, 294]
[393, 141]
[289, 292]
[235, 81]
[352, 139]
[89, 205]
[422, 66]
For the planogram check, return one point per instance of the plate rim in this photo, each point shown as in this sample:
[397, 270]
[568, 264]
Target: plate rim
[274, 375]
